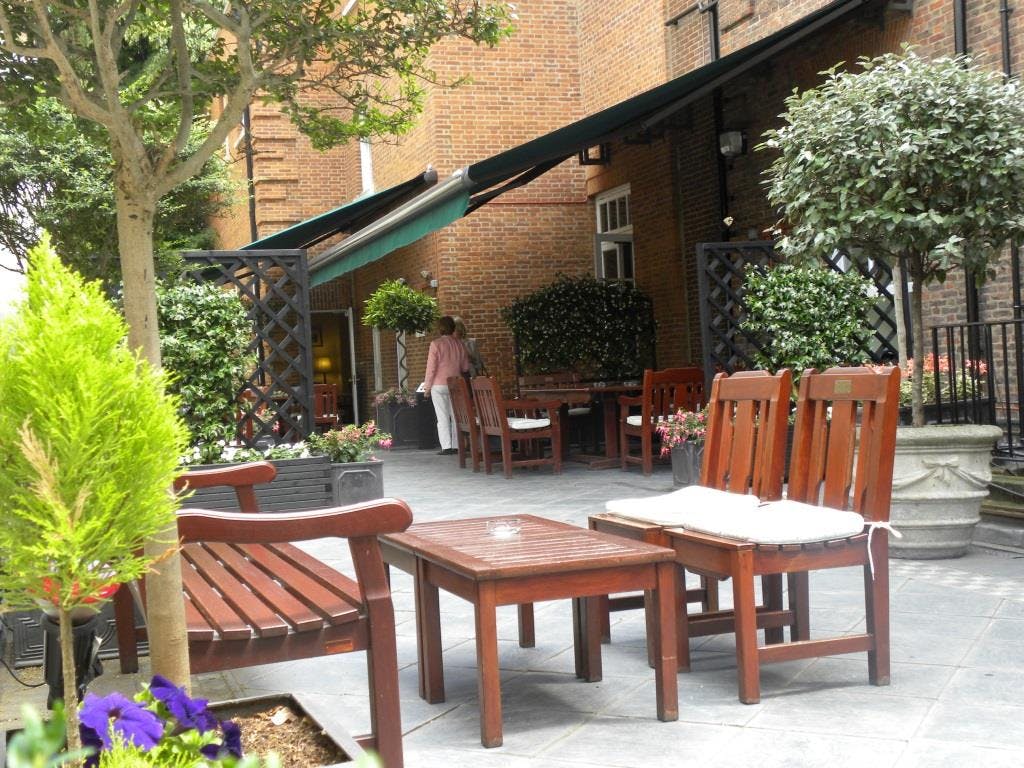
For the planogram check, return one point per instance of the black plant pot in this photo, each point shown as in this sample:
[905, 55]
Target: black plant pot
[410, 426]
[87, 662]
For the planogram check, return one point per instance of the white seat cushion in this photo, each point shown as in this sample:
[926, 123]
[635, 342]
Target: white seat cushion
[637, 419]
[777, 522]
[515, 422]
[670, 508]
[580, 411]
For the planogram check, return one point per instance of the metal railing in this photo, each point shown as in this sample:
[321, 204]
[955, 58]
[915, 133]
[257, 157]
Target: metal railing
[974, 373]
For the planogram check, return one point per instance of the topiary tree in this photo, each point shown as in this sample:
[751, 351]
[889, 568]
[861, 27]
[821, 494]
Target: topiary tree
[807, 317]
[205, 333]
[913, 160]
[89, 445]
[580, 323]
[396, 306]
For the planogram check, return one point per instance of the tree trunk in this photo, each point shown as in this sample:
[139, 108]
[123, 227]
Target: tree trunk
[403, 367]
[897, 298]
[67, 660]
[165, 609]
[917, 331]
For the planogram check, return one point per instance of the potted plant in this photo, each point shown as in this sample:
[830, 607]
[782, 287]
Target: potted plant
[89, 443]
[390, 405]
[356, 472]
[916, 162]
[397, 307]
[682, 436]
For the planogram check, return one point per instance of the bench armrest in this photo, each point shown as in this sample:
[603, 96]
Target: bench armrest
[252, 473]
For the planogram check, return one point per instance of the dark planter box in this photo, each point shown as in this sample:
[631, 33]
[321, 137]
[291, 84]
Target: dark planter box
[410, 426]
[300, 484]
[224, 710]
[686, 463]
[357, 481]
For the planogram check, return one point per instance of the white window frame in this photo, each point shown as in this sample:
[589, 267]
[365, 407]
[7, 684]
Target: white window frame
[619, 233]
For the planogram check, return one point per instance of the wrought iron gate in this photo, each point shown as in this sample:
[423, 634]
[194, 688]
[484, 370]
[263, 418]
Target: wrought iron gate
[276, 401]
[721, 271]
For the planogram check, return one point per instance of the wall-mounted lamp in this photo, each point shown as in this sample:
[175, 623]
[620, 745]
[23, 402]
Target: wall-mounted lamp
[732, 143]
[431, 281]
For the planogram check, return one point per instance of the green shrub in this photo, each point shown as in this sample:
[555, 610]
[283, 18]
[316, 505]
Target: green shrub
[205, 335]
[808, 317]
[601, 328]
[396, 306]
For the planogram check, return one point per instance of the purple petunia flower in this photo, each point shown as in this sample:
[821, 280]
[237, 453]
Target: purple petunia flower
[232, 744]
[189, 712]
[118, 714]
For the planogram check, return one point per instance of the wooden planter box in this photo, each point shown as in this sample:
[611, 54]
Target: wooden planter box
[312, 483]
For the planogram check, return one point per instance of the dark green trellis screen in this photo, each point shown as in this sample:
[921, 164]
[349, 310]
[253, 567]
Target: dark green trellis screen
[720, 271]
[275, 402]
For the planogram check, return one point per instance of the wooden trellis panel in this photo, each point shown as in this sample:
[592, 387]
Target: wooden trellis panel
[721, 269]
[276, 402]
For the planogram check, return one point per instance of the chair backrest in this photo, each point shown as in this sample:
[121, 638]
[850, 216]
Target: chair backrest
[845, 440]
[325, 400]
[489, 405]
[462, 403]
[745, 444]
[668, 390]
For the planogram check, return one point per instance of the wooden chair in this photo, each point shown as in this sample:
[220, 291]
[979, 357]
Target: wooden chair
[843, 452]
[325, 406]
[744, 452]
[517, 421]
[250, 600]
[580, 413]
[466, 421]
[664, 393]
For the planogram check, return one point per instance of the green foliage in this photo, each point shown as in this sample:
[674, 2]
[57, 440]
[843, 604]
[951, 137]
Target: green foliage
[39, 743]
[910, 157]
[583, 324]
[88, 443]
[56, 174]
[205, 334]
[808, 317]
[396, 306]
[350, 443]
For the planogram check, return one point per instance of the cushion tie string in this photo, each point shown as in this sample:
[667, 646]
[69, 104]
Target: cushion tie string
[872, 527]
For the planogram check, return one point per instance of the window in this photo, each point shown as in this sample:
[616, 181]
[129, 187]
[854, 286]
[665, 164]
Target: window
[614, 240]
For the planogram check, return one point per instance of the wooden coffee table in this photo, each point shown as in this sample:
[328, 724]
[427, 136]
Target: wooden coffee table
[547, 560]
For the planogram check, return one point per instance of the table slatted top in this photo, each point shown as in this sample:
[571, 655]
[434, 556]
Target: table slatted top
[541, 547]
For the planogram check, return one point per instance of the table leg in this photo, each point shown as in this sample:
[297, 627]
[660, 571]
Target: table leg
[488, 676]
[527, 636]
[428, 637]
[661, 616]
[586, 631]
[611, 431]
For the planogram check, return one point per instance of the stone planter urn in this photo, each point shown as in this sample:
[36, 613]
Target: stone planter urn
[357, 481]
[940, 478]
[687, 458]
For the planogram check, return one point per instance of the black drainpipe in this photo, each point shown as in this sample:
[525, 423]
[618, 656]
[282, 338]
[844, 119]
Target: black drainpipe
[960, 48]
[711, 9]
[1018, 311]
[250, 184]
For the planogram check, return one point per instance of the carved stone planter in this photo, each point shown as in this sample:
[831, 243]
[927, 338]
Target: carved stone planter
[940, 478]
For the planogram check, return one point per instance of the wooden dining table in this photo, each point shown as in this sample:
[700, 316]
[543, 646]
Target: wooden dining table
[582, 393]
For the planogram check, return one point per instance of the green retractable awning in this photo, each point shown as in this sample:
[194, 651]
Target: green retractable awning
[481, 182]
[346, 218]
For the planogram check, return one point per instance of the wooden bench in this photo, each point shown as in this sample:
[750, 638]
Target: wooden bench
[253, 598]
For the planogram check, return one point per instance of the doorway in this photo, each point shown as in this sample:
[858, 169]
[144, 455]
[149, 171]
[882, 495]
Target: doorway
[334, 358]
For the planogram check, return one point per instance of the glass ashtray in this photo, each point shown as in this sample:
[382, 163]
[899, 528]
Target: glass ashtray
[506, 528]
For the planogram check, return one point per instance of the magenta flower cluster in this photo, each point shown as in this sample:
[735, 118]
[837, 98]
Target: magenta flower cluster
[682, 427]
[161, 717]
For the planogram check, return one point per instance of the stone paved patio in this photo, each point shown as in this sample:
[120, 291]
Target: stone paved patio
[957, 696]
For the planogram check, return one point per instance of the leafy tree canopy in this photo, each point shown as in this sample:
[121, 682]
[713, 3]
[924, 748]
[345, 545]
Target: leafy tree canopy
[56, 174]
[396, 306]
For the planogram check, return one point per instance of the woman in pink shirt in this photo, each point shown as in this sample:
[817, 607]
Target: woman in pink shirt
[447, 357]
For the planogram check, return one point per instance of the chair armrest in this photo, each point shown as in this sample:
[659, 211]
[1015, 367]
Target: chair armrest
[626, 402]
[356, 520]
[253, 473]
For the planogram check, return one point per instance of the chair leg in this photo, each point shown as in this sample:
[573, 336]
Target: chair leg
[556, 450]
[506, 457]
[486, 450]
[745, 617]
[771, 591]
[462, 449]
[385, 711]
[682, 624]
[876, 598]
[646, 458]
[799, 606]
[623, 446]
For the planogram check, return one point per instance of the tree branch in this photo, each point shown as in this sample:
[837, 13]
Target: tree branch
[9, 44]
[183, 68]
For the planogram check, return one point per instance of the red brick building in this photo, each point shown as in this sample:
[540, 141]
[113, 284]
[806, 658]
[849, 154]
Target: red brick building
[663, 187]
